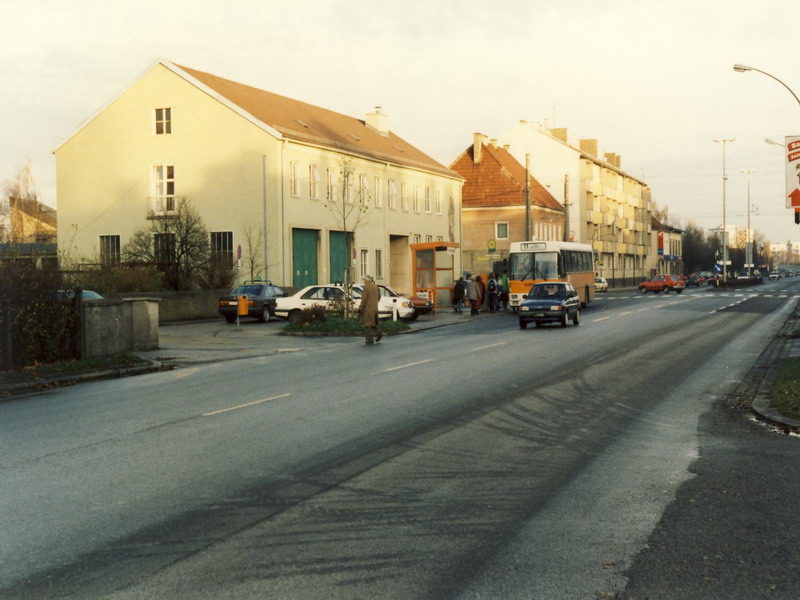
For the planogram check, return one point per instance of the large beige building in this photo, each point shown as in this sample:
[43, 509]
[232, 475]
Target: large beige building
[606, 207]
[269, 174]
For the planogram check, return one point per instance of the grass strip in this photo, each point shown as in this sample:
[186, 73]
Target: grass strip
[68, 368]
[785, 391]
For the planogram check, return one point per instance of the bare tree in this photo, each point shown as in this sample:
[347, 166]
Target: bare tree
[178, 244]
[348, 201]
[254, 240]
[22, 217]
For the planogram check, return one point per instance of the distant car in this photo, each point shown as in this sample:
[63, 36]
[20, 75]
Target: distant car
[663, 283]
[422, 306]
[85, 294]
[261, 300]
[774, 275]
[550, 302]
[600, 284]
[693, 279]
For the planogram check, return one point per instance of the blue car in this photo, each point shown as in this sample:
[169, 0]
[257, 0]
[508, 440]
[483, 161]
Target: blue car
[550, 302]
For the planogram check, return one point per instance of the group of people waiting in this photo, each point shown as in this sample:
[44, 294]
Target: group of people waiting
[493, 293]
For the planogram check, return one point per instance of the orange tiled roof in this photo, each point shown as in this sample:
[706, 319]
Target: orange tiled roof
[498, 180]
[308, 123]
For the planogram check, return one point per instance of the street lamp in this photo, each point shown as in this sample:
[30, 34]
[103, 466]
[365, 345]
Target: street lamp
[749, 253]
[724, 213]
[742, 68]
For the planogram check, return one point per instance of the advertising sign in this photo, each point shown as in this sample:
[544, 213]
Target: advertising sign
[793, 171]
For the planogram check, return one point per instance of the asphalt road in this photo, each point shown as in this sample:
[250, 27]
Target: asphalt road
[473, 461]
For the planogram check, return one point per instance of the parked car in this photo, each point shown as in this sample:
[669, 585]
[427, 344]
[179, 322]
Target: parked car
[85, 294]
[550, 302]
[261, 300]
[422, 306]
[387, 303]
[663, 283]
[600, 284]
[292, 307]
[774, 275]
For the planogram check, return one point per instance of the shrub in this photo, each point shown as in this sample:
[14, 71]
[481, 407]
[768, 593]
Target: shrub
[120, 280]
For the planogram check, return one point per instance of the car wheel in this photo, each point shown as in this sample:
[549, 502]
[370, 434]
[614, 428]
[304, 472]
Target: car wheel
[523, 324]
[576, 320]
[666, 289]
[642, 289]
[678, 291]
[564, 320]
[295, 316]
[230, 318]
[264, 316]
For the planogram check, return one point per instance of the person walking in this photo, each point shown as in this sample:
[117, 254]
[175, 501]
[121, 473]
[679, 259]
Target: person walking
[472, 295]
[459, 291]
[481, 292]
[504, 290]
[493, 290]
[368, 311]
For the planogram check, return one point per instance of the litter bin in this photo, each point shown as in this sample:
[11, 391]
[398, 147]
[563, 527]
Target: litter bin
[244, 306]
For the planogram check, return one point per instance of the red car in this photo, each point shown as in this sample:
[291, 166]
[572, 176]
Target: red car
[663, 283]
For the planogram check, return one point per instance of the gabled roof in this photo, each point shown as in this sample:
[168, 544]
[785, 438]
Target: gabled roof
[498, 180]
[305, 123]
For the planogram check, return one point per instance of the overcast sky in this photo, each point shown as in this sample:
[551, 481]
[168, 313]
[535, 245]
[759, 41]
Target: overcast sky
[652, 81]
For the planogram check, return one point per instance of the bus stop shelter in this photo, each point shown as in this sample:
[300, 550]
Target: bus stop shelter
[433, 265]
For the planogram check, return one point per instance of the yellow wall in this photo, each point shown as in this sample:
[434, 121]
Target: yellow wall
[104, 178]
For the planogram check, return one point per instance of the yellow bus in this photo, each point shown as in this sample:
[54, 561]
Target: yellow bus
[532, 262]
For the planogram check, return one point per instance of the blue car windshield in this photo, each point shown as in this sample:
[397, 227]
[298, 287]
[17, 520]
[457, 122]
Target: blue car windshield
[556, 292]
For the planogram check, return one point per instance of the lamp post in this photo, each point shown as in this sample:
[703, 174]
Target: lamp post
[749, 250]
[743, 68]
[724, 212]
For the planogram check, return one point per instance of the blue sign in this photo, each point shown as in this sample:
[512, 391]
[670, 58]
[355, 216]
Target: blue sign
[716, 269]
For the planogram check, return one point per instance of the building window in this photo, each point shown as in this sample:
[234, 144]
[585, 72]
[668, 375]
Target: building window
[164, 188]
[313, 182]
[222, 249]
[438, 202]
[428, 238]
[109, 250]
[392, 191]
[363, 190]
[331, 185]
[293, 179]
[163, 121]
[379, 263]
[501, 231]
[164, 248]
[377, 188]
[427, 199]
[416, 198]
[364, 262]
[439, 238]
[417, 238]
[403, 195]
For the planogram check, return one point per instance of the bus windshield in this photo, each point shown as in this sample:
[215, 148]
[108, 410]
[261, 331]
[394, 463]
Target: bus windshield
[534, 265]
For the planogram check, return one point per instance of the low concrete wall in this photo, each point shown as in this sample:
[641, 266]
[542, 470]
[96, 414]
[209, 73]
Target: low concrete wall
[183, 306]
[113, 326]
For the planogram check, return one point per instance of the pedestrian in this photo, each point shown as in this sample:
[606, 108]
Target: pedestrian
[459, 291]
[481, 292]
[504, 290]
[494, 292]
[368, 311]
[472, 295]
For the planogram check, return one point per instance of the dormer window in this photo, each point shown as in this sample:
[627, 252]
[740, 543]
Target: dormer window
[163, 121]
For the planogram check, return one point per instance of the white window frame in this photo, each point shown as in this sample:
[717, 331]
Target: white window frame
[438, 202]
[313, 182]
[330, 193]
[403, 196]
[427, 199]
[294, 187]
[417, 238]
[162, 118]
[363, 189]
[392, 193]
[378, 200]
[416, 199]
[378, 263]
[364, 262]
[497, 226]
[163, 181]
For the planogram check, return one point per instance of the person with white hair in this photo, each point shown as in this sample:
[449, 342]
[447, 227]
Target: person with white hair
[368, 311]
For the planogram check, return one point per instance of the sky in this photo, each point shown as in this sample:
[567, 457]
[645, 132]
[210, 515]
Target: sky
[652, 81]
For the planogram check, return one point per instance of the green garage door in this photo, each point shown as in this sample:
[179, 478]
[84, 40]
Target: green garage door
[304, 257]
[338, 252]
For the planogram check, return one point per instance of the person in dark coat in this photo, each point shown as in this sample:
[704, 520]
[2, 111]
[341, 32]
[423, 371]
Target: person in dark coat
[459, 292]
[368, 311]
[481, 291]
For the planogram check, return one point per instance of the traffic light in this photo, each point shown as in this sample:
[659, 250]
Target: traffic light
[797, 215]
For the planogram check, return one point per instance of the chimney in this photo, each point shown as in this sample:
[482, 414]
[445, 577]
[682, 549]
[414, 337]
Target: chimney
[559, 133]
[589, 147]
[613, 159]
[477, 147]
[378, 121]
[507, 148]
[493, 143]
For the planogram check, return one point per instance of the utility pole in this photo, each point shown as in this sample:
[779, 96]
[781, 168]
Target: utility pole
[566, 208]
[749, 251]
[527, 197]
[724, 213]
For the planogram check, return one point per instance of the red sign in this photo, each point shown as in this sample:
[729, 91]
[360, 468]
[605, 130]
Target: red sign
[795, 198]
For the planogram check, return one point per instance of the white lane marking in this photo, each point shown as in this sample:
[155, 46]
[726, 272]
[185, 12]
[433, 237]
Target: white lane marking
[224, 410]
[489, 346]
[601, 319]
[630, 312]
[414, 364]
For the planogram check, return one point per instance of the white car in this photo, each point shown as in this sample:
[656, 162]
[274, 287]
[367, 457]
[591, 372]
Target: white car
[774, 275]
[600, 284]
[292, 307]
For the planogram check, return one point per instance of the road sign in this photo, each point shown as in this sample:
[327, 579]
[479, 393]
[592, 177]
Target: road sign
[792, 171]
[492, 245]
